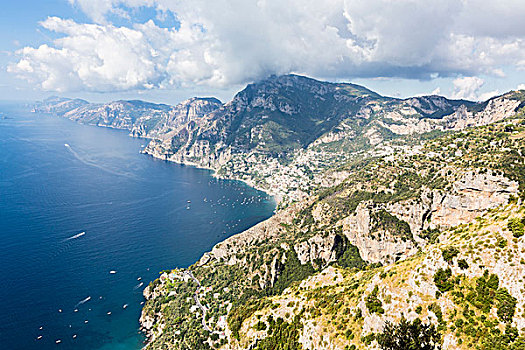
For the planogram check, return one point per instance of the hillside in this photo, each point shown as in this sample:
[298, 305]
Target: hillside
[391, 211]
[282, 134]
[285, 134]
[425, 228]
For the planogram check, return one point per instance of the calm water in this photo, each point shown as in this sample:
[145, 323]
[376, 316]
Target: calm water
[133, 210]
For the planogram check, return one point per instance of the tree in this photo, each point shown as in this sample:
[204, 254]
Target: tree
[409, 336]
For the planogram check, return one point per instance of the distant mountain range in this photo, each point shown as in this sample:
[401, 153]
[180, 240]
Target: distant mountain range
[276, 121]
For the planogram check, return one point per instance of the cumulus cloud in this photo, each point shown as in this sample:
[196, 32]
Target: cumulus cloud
[224, 42]
[468, 88]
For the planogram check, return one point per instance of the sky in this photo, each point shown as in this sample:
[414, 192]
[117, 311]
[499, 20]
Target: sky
[169, 50]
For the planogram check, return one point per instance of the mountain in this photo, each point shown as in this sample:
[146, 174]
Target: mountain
[278, 131]
[422, 241]
[400, 220]
[142, 119]
[58, 105]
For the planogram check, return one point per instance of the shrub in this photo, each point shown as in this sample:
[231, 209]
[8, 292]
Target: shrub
[443, 280]
[506, 305]
[409, 335]
[516, 226]
[483, 296]
[373, 304]
[449, 253]
[462, 263]
[284, 335]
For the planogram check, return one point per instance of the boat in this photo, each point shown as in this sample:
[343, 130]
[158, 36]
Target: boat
[39, 337]
[125, 306]
[109, 312]
[74, 336]
[112, 272]
[58, 341]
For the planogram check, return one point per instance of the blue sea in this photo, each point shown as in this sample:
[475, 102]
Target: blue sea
[78, 202]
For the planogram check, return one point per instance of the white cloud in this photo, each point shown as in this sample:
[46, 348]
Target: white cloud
[521, 87]
[225, 42]
[468, 88]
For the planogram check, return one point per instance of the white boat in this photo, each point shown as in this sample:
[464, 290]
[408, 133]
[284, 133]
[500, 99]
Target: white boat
[58, 341]
[39, 337]
[125, 306]
[112, 272]
[109, 312]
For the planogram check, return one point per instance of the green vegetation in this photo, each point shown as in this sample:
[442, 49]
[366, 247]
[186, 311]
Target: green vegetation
[449, 253]
[443, 280]
[347, 254]
[282, 335]
[462, 264]
[242, 312]
[517, 226]
[409, 336]
[383, 220]
[373, 304]
[292, 271]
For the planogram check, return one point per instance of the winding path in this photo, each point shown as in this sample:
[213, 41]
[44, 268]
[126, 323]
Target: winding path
[198, 302]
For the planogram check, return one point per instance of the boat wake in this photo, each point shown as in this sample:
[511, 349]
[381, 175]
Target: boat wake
[82, 302]
[96, 165]
[78, 235]
[138, 286]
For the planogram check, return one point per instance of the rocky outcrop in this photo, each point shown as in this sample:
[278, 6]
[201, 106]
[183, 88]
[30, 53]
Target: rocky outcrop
[496, 109]
[317, 248]
[151, 324]
[473, 194]
[268, 230]
[376, 247]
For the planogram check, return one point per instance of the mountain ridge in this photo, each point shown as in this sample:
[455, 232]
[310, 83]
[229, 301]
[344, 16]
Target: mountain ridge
[283, 120]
